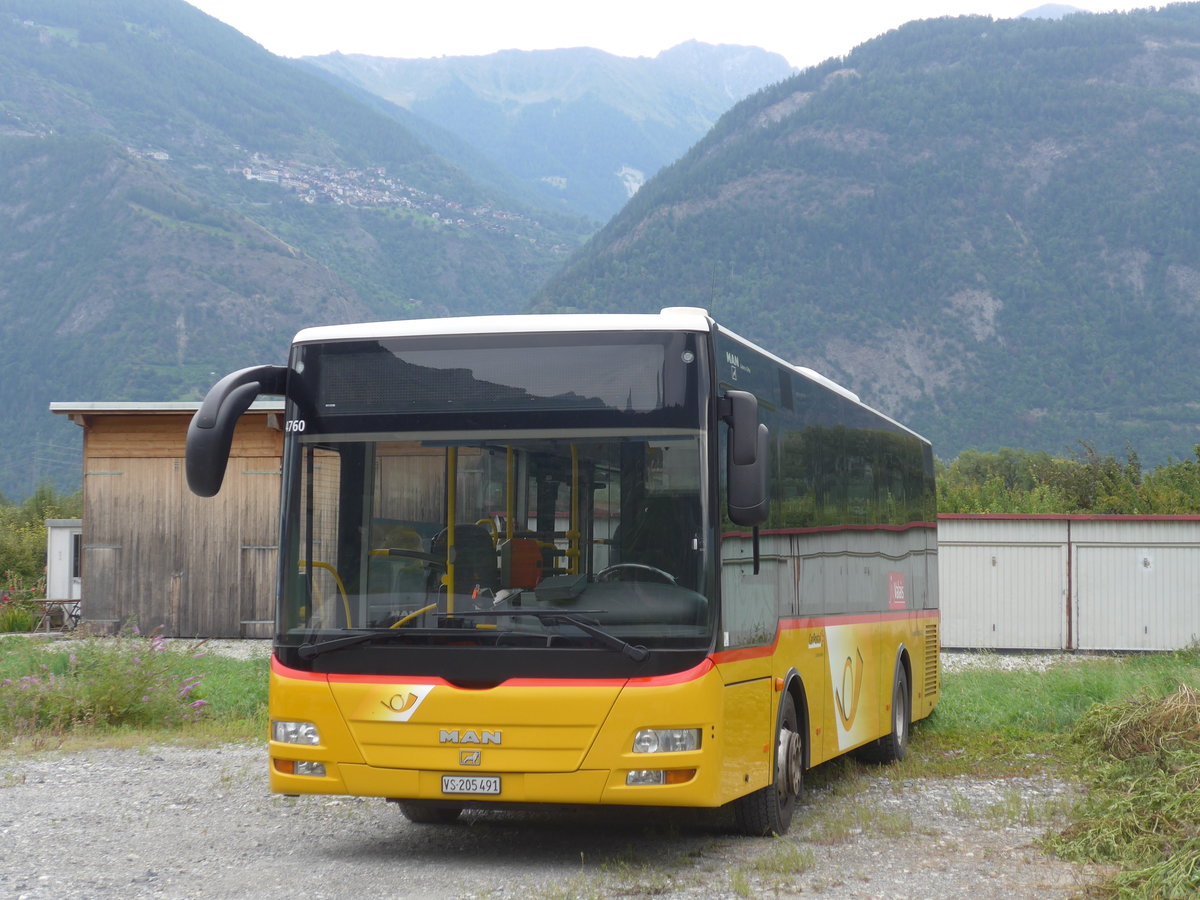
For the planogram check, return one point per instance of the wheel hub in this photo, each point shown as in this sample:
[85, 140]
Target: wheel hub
[789, 763]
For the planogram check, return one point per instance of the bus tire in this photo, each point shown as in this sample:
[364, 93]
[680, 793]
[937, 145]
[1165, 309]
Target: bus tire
[427, 814]
[769, 810]
[893, 746]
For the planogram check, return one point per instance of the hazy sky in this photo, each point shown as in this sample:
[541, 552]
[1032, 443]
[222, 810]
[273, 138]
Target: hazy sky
[804, 32]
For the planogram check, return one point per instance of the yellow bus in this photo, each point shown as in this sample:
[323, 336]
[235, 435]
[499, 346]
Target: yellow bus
[584, 559]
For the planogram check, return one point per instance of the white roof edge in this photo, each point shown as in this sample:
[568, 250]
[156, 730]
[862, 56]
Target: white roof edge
[674, 318]
[149, 406]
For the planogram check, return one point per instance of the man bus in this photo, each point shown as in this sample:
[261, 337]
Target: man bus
[583, 559]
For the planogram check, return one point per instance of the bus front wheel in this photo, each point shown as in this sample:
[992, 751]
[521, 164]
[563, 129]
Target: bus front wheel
[769, 810]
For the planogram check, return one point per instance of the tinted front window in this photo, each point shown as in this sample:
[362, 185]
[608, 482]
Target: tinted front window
[623, 373]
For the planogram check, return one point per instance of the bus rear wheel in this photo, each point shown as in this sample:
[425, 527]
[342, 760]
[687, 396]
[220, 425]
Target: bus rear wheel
[428, 814]
[893, 747]
[769, 810]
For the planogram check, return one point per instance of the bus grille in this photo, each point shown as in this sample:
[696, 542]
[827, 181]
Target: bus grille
[932, 660]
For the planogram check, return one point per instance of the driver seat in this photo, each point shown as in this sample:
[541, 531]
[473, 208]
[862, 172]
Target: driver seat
[661, 536]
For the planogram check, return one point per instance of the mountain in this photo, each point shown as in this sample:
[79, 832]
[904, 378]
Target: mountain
[989, 229]
[582, 128]
[175, 202]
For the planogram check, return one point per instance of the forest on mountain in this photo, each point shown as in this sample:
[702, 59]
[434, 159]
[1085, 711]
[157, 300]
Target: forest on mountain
[987, 228]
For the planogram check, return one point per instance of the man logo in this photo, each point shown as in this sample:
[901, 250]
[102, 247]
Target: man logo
[470, 758]
[470, 736]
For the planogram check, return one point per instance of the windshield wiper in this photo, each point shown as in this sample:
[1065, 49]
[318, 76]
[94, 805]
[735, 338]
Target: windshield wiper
[309, 651]
[548, 616]
[551, 617]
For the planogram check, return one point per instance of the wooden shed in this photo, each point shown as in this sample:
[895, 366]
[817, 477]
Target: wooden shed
[155, 554]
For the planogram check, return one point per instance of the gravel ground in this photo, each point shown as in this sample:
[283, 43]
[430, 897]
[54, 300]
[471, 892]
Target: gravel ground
[172, 822]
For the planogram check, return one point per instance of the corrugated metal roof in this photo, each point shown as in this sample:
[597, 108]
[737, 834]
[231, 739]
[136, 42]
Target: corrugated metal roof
[1064, 517]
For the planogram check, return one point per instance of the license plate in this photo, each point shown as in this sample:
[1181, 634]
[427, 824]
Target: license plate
[470, 784]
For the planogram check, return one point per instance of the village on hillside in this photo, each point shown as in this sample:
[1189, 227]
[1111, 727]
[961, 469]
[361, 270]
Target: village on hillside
[373, 187]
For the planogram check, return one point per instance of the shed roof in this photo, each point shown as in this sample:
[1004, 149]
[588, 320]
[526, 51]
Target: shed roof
[147, 407]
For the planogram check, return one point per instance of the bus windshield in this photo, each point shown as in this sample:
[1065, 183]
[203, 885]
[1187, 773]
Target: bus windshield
[498, 539]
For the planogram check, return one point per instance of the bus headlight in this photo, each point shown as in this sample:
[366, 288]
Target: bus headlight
[294, 732]
[666, 740]
[644, 777]
[300, 767]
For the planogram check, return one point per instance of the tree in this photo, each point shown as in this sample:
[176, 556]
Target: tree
[23, 536]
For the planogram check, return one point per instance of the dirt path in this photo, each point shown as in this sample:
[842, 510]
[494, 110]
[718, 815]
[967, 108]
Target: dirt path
[181, 823]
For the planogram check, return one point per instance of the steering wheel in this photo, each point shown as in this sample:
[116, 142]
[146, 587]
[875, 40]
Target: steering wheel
[608, 573]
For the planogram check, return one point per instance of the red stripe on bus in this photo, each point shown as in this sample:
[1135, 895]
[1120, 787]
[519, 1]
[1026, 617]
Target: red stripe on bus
[757, 652]
[691, 674]
[833, 529]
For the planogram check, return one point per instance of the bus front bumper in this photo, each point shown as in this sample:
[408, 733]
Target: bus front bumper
[582, 787]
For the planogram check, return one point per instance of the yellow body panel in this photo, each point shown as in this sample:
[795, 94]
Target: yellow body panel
[523, 729]
[564, 742]
[859, 663]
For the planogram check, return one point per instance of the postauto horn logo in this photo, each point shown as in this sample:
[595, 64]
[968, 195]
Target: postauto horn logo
[402, 703]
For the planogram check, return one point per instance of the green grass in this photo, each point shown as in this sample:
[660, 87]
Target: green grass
[1130, 725]
[990, 721]
[116, 691]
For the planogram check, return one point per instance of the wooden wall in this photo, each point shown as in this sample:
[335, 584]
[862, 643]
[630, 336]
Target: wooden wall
[156, 554]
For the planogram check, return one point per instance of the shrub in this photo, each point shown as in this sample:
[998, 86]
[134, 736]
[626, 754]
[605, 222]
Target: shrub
[1143, 809]
[130, 679]
[16, 616]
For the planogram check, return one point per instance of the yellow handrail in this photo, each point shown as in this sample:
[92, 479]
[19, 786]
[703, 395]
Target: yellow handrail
[338, 581]
[490, 527]
[510, 499]
[451, 512]
[573, 533]
[412, 615]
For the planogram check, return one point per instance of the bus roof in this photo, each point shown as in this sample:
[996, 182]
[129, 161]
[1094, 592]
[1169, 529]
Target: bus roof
[674, 318]
[671, 318]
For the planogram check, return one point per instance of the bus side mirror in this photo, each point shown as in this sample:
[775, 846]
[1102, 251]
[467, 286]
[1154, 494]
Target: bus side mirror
[747, 464]
[742, 416]
[210, 433]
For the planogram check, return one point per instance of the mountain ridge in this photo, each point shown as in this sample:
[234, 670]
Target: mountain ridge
[986, 228]
[581, 127]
